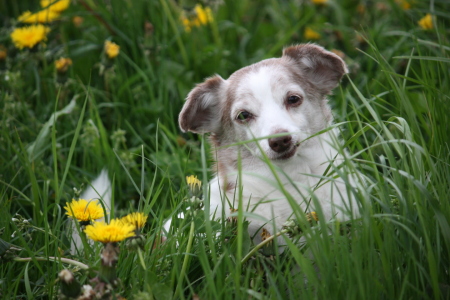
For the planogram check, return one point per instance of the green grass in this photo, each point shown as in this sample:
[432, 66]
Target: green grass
[392, 109]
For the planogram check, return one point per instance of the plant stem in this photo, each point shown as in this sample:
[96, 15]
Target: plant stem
[52, 258]
[186, 257]
[141, 258]
[108, 262]
[262, 244]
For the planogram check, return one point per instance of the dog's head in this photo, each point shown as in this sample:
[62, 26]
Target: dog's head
[285, 97]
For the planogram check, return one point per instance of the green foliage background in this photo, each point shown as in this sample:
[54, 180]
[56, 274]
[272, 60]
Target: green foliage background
[393, 108]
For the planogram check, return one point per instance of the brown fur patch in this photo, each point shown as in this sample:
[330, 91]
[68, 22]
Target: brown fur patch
[324, 69]
[196, 115]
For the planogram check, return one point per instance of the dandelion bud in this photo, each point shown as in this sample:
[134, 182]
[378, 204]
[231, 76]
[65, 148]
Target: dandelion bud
[136, 242]
[70, 287]
[77, 21]
[90, 134]
[181, 141]
[3, 53]
[311, 34]
[292, 228]
[118, 138]
[269, 248]
[426, 22]
[62, 65]
[312, 217]
[110, 52]
[77, 192]
[195, 185]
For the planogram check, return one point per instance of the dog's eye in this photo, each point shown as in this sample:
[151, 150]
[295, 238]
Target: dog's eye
[294, 100]
[243, 116]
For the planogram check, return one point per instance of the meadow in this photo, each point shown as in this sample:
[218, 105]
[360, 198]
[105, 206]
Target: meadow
[99, 85]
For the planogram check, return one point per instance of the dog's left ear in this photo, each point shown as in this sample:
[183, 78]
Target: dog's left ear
[200, 112]
[322, 68]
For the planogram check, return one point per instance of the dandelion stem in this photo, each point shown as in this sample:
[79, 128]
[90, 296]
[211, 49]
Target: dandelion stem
[108, 262]
[141, 258]
[262, 244]
[186, 257]
[52, 258]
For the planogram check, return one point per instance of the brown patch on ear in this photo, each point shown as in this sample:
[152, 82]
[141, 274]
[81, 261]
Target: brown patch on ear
[322, 68]
[200, 113]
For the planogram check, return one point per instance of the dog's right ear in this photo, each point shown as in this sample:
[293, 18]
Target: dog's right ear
[200, 113]
[322, 68]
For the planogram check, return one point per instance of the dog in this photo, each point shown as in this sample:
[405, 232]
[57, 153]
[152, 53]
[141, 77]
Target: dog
[268, 130]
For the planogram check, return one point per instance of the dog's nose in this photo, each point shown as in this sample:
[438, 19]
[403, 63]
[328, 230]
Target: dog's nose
[280, 144]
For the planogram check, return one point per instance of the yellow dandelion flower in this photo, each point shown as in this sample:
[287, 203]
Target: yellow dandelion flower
[201, 16]
[204, 15]
[113, 232]
[28, 37]
[321, 2]
[43, 16]
[195, 185]
[193, 181]
[63, 64]
[312, 216]
[111, 49]
[54, 5]
[137, 219]
[84, 210]
[311, 34]
[186, 22]
[426, 22]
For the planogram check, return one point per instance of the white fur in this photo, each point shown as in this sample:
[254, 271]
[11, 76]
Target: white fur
[307, 71]
[261, 192]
